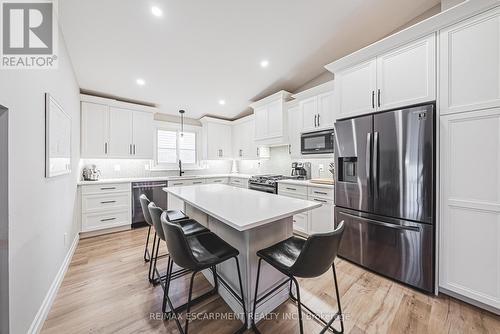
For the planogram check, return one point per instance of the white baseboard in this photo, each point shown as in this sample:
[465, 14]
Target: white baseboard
[43, 311]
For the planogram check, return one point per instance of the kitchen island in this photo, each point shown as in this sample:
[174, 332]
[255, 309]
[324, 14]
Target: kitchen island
[248, 220]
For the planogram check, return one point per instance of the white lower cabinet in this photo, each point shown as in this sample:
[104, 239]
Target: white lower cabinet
[220, 180]
[470, 206]
[105, 206]
[238, 182]
[320, 220]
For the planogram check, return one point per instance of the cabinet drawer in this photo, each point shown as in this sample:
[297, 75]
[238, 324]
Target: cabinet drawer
[105, 188]
[323, 193]
[292, 188]
[198, 181]
[180, 183]
[98, 221]
[112, 201]
[222, 180]
[239, 182]
[300, 223]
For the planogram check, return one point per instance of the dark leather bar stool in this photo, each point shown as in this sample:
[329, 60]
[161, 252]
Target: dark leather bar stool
[189, 227]
[306, 258]
[145, 212]
[196, 253]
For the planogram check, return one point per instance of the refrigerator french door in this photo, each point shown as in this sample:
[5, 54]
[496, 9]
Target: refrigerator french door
[384, 193]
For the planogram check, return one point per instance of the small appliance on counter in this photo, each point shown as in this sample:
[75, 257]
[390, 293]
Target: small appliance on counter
[301, 170]
[91, 173]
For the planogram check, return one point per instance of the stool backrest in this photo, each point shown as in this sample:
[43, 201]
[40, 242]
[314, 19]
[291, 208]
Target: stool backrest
[178, 247]
[145, 211]
[156, 213]
[318, 254]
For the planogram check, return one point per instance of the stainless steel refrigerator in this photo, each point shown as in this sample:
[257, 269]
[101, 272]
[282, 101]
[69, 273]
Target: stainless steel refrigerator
[384, 193]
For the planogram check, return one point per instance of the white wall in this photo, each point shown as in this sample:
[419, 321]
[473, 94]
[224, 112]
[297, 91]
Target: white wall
[41, 210]
[4, 216]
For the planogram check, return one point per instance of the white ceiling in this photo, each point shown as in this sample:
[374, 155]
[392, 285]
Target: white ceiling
[200, 51]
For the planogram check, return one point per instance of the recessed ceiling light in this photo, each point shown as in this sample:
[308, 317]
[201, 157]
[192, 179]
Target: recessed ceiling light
[222, 102]
[264, 63]
[140, 82]
[156, 11]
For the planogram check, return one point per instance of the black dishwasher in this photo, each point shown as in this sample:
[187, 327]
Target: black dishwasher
[154, 191]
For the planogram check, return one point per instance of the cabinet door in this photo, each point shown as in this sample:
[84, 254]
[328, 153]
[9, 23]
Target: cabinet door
[248, 146]
[95, 130]
[470, 205]
[407, 75]
[300, 222]
[218, 141]
[355, 89]
[238, 139]
[294, 131]
[143, 135]
[326, 113]
[309, 111]
[470, 64]
[261, 124]
[274, 119]
[120, 133]
[321, 220]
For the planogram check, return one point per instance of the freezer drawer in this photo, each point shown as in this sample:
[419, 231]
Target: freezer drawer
[395, 248]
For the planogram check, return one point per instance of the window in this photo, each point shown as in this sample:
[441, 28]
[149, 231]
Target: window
[172, 146]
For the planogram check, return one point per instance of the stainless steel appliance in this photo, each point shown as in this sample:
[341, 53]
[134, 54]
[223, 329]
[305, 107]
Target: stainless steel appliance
[318, 142]
[153, 190]
[384, 192]
[266, 183]
[301, 170]
[91, 173]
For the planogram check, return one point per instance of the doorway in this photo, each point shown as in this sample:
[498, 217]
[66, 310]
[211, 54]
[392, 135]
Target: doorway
[4, 221]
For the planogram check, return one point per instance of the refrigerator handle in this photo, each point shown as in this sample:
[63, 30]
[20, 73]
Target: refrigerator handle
[368, 153]
[375, 161]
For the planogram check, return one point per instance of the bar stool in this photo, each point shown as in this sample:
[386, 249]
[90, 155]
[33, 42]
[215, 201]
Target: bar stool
[306, 258]
[196, 253]
[188, 226]
[145, 212]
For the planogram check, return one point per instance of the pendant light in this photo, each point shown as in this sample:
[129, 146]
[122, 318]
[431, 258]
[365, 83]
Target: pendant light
[182, 122]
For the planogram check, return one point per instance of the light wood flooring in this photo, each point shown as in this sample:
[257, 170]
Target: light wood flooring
[106, 291]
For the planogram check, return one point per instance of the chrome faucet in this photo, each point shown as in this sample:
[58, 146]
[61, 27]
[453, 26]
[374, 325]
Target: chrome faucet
[180, 168]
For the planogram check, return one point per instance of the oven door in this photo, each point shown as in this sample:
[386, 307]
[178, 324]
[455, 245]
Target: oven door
[264, 188]
[319, 142]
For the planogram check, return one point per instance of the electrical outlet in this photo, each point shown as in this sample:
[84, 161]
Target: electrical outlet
[321, 167]
[65, 239]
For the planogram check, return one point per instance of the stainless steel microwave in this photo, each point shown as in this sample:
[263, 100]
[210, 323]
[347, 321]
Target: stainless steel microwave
[318, 142]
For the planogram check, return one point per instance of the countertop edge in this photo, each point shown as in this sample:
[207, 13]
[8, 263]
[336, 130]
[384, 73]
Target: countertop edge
[159, 178]
[307, 183]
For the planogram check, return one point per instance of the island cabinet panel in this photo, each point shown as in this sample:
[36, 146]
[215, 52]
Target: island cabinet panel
[470, 64]
[470, 206]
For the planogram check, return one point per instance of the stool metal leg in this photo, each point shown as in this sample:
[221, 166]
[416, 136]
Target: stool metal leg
[151, 259]
[244, 327]
[147, 255]
[154, 260]
[299, 304]
[254, 326]
[188, 308]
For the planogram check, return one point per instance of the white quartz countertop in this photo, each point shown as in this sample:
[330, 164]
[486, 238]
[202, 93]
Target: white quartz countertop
[307, 183]
[161, 178]
[240, 208]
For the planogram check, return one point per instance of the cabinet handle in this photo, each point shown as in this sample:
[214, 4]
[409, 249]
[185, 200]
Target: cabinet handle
[319, 192]
[258, 152]
[130, 149]
[134, 149]
[319, 200]
[290, 149]
[379, 98]
[319, 122]
[109, 188]
[105, 148]
[217, 181]
[108, 219]
[373, 99]
[315, 117]
[177, 184]
[241, 153]
[108, 202]
[197, 182]
[291, 188]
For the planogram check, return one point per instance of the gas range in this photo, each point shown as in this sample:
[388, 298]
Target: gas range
[267, 183]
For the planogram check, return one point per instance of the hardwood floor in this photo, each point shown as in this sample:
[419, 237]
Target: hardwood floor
[106, 291]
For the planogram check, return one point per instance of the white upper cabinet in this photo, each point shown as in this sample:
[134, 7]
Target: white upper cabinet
[270, 119]
[309, 111]
[109, 131]
[355, 89]
[470, 64]
[142, 134]
[216, 139]
[95, 130]
[407, 76]
[398, 78]
[120, 133]
[294, 131]
[326, 111]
